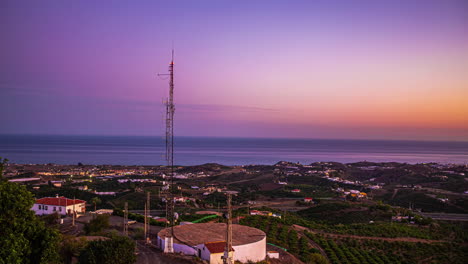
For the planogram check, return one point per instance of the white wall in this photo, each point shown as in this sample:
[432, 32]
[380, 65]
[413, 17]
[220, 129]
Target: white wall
[178, 248]
[187, 250]
[217, 258]
[205, 254]
[254, 251]
[212, 258]
[79, 208]
[50, 209]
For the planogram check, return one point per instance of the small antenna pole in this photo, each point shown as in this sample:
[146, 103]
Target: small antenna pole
[74, 212]
[148, 228]
[126, 219]
[227, 259]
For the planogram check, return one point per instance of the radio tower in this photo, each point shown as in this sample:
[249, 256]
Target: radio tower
[170, 109]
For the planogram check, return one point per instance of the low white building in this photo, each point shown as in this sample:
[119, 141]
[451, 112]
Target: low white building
[60, 205]
[213, 252]
[273, 254]
[105, 193]
[206, 241]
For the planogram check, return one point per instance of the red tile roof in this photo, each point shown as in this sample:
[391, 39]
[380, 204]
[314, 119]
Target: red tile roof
[216, 247]
[60, 201]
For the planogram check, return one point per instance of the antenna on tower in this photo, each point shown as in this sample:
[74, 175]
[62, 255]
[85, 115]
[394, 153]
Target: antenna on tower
[170, 109]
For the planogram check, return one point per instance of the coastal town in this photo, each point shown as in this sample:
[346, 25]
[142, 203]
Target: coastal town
[310, 198]
[445, 183]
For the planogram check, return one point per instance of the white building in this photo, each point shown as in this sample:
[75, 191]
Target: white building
[105, 193]
[213, 252]
[205, 240]
[273, 254]
[60, 205]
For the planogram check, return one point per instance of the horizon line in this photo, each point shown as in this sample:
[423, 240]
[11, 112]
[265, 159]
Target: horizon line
[234, 137]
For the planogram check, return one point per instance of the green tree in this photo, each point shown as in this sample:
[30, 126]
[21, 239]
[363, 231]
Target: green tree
[138, 233]
[23, 237]
[3, 162]
[97, 224]
[316, 258]
[117, 250]
[95, 201]
[71, 247]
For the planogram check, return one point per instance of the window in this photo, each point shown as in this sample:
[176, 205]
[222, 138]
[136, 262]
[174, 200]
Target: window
[46, 207]
[60, 209]
[55, 208]
[40, 207]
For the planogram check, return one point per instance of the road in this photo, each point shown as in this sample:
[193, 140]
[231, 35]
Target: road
[149, 255]
[142, 212]
[354, 237]
[446, 216]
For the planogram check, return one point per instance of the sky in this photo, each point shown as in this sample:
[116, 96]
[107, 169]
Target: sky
[356, 69]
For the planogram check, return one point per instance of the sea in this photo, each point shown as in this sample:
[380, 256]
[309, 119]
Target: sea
[142, 150]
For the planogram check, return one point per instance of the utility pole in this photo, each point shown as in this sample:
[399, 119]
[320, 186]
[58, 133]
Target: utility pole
[146, 220]
[60, 210]
[74, 213]
[148, 239]
[227, 259]
[167, 211]
[125, 224]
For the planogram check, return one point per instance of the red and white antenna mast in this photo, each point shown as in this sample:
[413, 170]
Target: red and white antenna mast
[170, 110]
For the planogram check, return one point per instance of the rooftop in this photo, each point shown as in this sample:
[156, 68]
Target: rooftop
[60, 201]
[216, 247]
[204, 233]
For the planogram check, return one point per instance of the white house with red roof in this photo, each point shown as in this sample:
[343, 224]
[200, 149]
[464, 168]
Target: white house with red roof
[214, 252]
[60, 205]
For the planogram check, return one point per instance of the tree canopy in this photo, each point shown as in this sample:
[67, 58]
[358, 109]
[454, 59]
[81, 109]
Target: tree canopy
[117, 250]
[97, 224]
[24, 238]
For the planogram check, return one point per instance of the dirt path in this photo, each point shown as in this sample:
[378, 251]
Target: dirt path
[394, 193]
[389, 239]
[313, 244]
[150, 255]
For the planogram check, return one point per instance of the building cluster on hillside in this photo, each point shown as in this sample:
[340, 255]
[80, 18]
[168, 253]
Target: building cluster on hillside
[264, 213]
[356, 183]
[409, 186]
[55, 170]
[137, 180]
[372, 168]
[188, 175]
[350, 193]
[209, 189]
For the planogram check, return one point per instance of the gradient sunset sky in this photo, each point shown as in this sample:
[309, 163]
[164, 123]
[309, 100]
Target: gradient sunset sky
[293, 69]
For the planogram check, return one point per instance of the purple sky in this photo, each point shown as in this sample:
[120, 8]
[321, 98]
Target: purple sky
[309, 69]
